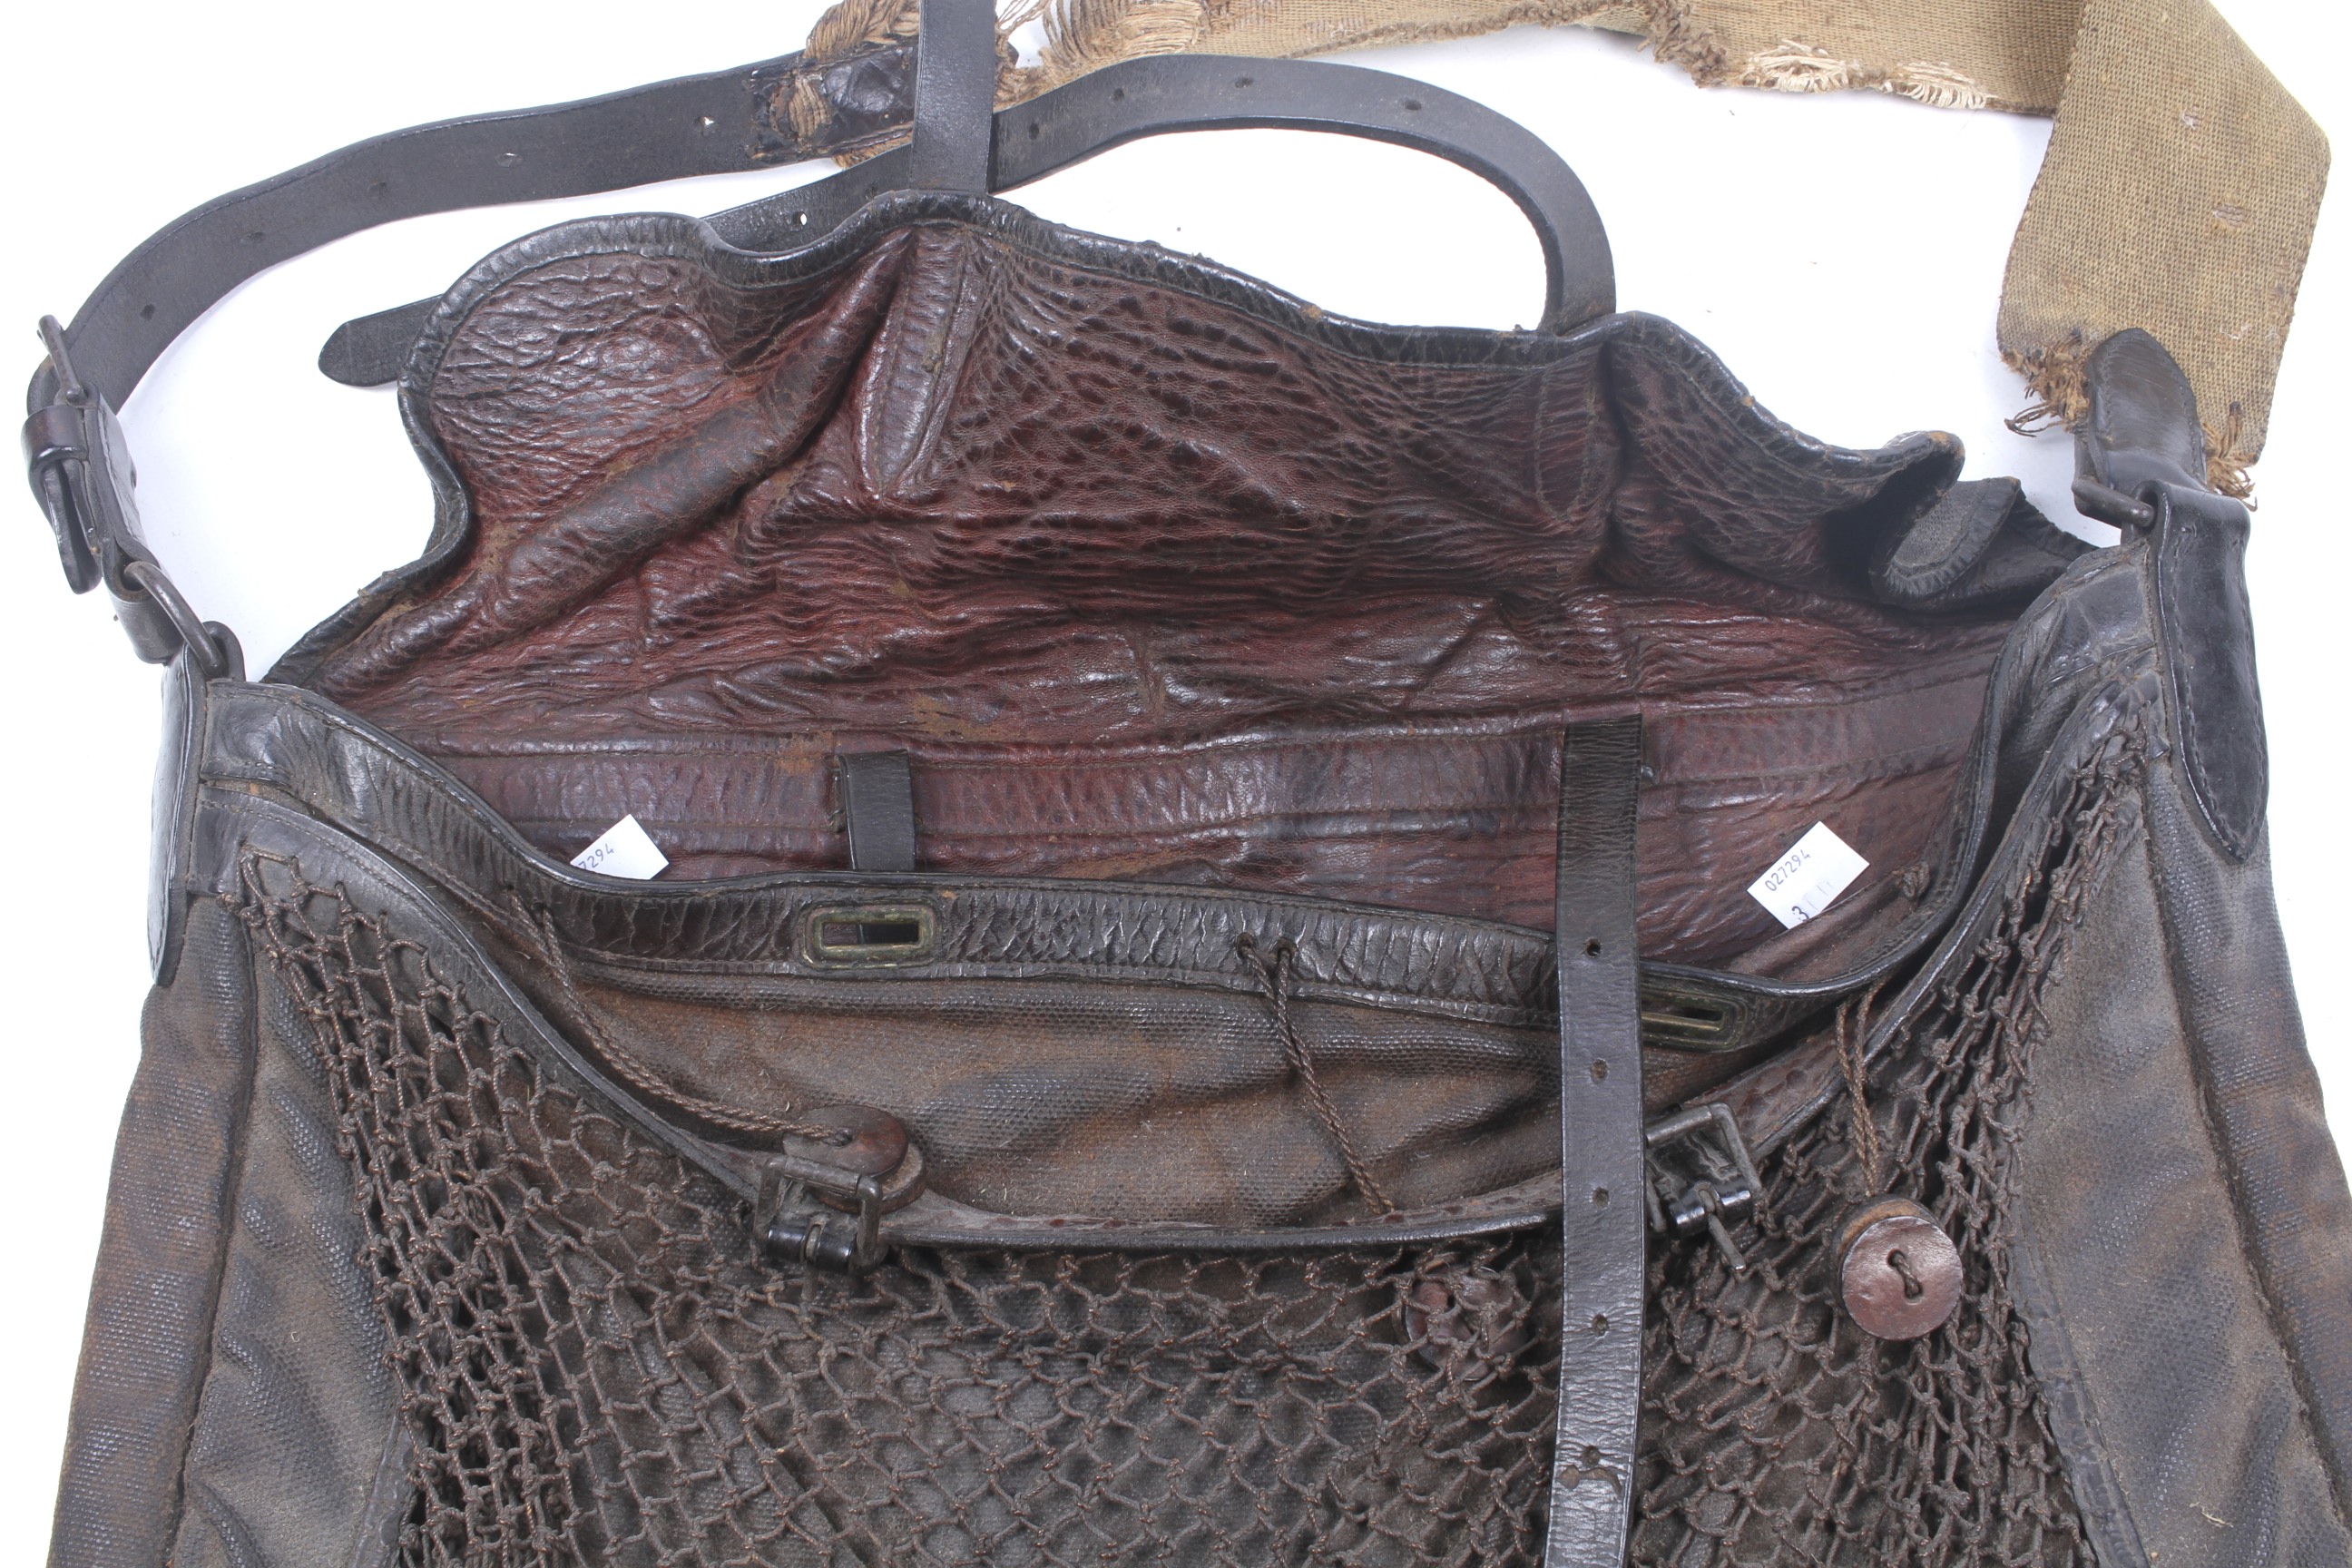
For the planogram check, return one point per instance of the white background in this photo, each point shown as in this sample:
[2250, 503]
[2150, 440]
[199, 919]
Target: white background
[1842, 254]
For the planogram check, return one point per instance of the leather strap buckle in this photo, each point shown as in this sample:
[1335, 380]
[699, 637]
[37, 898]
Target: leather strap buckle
[57, 450]
[80, 468]
[1701, 1177]
[824, 1191]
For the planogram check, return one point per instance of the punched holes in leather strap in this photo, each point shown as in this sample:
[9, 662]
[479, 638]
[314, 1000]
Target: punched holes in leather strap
[1602, 1228]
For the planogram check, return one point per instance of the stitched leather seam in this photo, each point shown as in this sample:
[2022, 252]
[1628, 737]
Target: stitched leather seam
[2219, 813]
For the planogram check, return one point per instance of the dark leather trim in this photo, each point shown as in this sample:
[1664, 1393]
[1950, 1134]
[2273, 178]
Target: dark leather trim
[2143, 427]
[1983, 544]
[931, 1220]
[1602, 1175]
[346, 771]
[173, 823]
[2142, 450]
[2206, 628]
[1927, 560]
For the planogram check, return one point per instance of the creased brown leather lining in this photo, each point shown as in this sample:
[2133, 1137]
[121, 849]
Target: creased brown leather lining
[1062, 518]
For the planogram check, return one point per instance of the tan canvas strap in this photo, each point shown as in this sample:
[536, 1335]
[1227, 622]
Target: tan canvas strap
[2179, 194]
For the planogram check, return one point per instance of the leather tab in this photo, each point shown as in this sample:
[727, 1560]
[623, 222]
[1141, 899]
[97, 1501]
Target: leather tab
[2145, 444]
[877, 806]
[955, 96]
[53, 439]
[1602, 1223]
[369, 350]
[2205, 628]
[2143, 428]
[1983, 544]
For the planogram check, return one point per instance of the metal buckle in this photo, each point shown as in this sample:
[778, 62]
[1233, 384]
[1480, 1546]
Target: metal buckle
[80, 467]
[55, 437]
[797, 1227]
[1701, 1177]
[824, 1191]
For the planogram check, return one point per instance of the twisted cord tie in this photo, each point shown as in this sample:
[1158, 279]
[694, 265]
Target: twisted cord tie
[1274, 976]
[640, 1078]
[1862, 1127]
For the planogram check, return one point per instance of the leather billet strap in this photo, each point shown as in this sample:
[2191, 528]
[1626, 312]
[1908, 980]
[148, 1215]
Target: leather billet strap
[723, 122]
[955, 97]
[877, 810]
[1601, 1172]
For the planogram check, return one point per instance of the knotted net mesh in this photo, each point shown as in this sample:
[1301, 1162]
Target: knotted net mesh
[1775, 1431]
[596, 1368]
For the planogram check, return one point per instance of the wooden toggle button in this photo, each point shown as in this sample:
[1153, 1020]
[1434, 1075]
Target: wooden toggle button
[1898, 1273]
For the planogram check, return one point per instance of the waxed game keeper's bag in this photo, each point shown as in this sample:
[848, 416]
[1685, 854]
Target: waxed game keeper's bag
[1000, 898]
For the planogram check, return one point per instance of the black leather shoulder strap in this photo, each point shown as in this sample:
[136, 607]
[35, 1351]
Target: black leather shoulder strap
[1155, 96]
[723, 122]
[80, 473]
[2140, 465]
[726, 121]
[1602, 1225]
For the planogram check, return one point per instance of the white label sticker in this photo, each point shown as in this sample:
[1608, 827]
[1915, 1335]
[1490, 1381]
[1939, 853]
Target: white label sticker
[1815, 869]
[624, 850]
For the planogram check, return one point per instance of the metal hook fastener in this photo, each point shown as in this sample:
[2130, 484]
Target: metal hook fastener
[202, 645]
